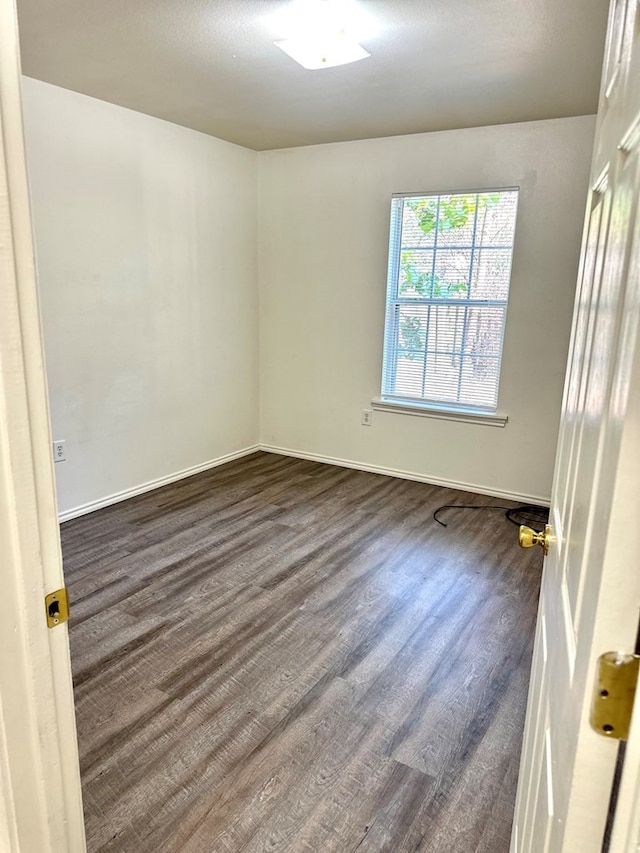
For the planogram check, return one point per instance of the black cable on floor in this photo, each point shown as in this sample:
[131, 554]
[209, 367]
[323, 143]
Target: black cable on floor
[533, 516]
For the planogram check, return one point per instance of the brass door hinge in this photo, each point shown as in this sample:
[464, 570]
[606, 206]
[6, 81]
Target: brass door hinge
[57, 607]
[613, 694]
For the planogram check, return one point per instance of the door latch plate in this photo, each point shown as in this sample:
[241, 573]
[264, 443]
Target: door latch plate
[613, 694]
[57, 607]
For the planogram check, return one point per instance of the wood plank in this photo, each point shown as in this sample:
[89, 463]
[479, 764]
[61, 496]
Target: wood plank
[283, 655]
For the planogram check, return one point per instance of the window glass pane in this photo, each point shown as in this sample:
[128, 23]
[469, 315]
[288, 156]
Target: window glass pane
[419, 222]
[496, 218]
[416, 273]
[491, 274]
[446, 328]
[451, 279]
[412, 328]
[479, 380]
[409, 376]
[456, 220]
[484, 331]
[441, 376]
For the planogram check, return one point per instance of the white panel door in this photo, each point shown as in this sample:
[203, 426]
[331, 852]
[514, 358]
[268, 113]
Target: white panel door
[590, 594]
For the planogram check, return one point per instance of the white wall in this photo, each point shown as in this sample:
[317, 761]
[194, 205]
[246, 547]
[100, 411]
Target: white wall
[146, 250]
[324, 222]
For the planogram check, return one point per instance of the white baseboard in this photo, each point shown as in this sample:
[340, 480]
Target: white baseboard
[83, 509]
[154, 484]
[409, 475]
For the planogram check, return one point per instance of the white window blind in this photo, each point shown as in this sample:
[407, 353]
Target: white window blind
[448, 285]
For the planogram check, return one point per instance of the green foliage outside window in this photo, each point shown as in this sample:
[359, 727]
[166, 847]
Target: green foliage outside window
[454, 212]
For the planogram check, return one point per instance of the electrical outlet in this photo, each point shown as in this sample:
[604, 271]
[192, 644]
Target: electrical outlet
[59, 454]
[367, 416]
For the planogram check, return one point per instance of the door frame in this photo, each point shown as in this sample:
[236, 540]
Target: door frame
[40, 794]
[626, 827]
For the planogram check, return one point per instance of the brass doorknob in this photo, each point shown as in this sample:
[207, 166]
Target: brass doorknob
[527, 537]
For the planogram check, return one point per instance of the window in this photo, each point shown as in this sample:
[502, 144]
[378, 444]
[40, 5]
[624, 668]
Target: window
[448, 284]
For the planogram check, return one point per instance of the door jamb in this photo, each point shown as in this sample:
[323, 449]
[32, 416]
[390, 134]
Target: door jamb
[40, 799]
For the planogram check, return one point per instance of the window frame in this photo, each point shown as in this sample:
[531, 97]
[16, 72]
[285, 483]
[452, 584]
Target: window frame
[421, 405]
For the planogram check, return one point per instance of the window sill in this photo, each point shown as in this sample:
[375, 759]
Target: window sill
[424, 410]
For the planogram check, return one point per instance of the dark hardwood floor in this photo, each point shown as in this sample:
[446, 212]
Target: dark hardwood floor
[280, 655]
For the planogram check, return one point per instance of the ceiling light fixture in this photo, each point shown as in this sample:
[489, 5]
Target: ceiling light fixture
[323, 52]
[322, 33]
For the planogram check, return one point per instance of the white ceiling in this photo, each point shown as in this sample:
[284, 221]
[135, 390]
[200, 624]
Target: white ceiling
[212, 65]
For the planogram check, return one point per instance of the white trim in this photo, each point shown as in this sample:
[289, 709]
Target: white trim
[512, 189]
[424, 410]
[626, 828]
[409, 475]
[149, 486]
[41, 800]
